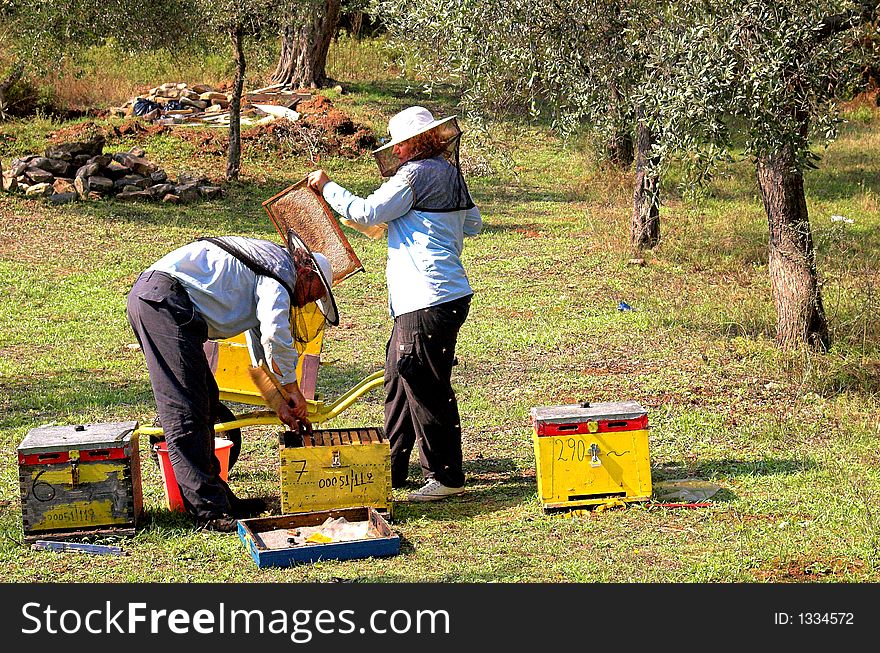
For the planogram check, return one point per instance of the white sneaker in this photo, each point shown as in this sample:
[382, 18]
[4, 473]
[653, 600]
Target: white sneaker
[434, 490]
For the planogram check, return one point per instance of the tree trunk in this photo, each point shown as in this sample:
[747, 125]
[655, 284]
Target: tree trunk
[645, 227]
[233, 161]
[620, 149]
[304, 47]
[13, 76]
[800, 315]
[357, 22]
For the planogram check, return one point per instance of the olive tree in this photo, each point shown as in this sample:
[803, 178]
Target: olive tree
[240, 19]
[37, 35]
[574, 61]
[773, 68]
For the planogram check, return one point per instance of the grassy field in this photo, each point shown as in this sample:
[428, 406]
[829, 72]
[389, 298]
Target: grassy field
[790, 437]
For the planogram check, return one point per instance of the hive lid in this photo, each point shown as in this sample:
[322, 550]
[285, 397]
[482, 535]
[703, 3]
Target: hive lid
[45, 439]
[300, 208]
[579, 413]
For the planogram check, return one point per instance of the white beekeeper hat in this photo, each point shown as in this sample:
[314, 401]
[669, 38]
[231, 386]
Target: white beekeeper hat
[409, 123]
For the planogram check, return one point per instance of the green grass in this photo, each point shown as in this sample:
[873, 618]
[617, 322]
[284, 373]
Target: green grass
[790, 437]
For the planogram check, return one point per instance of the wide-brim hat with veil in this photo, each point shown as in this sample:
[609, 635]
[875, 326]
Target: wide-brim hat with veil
[321, 265]
[410, 123]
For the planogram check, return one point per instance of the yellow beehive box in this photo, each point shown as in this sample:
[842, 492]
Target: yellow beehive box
[80, 479]
[591, 454]
[335, 468]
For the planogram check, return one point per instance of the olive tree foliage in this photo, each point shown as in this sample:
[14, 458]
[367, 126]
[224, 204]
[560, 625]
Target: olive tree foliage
[573, 62]
[774, 69]
[567, 60]
[37, 35]
[35, 29]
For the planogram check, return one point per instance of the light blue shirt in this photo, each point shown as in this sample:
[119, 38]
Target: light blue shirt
[424, 265]
[233, 299]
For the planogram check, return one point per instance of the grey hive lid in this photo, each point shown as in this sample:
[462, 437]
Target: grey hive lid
[577, 413]
[46, 439]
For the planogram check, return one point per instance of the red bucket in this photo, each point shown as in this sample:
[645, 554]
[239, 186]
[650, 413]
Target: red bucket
[222, 446]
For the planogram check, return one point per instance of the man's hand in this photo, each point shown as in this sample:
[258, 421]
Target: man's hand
[296, 410]
[317, 179]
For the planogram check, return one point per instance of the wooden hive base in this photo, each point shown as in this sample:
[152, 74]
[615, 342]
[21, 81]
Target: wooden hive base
[81, 533]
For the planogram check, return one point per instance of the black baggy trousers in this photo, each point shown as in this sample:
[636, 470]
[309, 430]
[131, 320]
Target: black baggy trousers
[172, 334]
[420, 405]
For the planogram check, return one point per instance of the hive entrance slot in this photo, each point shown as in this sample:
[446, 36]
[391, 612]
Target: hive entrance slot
[587, 497]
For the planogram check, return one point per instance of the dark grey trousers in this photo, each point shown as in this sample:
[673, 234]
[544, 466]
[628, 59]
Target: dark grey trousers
[420, 405]
[171, 334]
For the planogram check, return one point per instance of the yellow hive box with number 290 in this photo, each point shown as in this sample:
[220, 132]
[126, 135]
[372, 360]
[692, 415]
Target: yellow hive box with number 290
[590, 454]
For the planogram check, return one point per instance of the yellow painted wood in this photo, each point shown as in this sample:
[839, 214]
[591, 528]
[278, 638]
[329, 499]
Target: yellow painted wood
[84, 495]
[340, 476]
[93, 472]
[570, 475]
[79, 514]
[233, 359]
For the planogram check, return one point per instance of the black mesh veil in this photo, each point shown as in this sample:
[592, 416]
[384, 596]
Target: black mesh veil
[438, 188]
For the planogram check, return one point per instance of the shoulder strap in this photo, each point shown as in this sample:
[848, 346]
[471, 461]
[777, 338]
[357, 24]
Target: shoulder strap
[255, 266]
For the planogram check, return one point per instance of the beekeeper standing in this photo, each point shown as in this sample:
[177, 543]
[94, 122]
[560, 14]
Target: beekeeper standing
[428, 210]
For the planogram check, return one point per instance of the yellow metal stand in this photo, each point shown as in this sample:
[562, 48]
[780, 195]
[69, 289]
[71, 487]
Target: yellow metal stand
[318, 411]
[231, 373]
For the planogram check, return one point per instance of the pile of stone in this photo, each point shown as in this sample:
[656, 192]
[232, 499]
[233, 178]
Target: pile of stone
[81, 170]
[176, 103]
[177, 99]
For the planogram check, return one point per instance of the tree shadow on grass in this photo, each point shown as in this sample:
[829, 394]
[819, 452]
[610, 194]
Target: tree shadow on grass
[526, 228]
[707, 470]
[391, 96]
[504, 195]
[38, 398]
[497, 484]
[240, 213]
[843, 174]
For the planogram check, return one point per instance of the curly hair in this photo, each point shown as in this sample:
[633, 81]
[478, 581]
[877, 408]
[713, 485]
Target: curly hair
[427, 145]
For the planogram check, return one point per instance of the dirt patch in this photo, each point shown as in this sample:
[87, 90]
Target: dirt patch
[79, 132]
[84, 131]
[322, 130]
[869, 98]
[800, 571]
